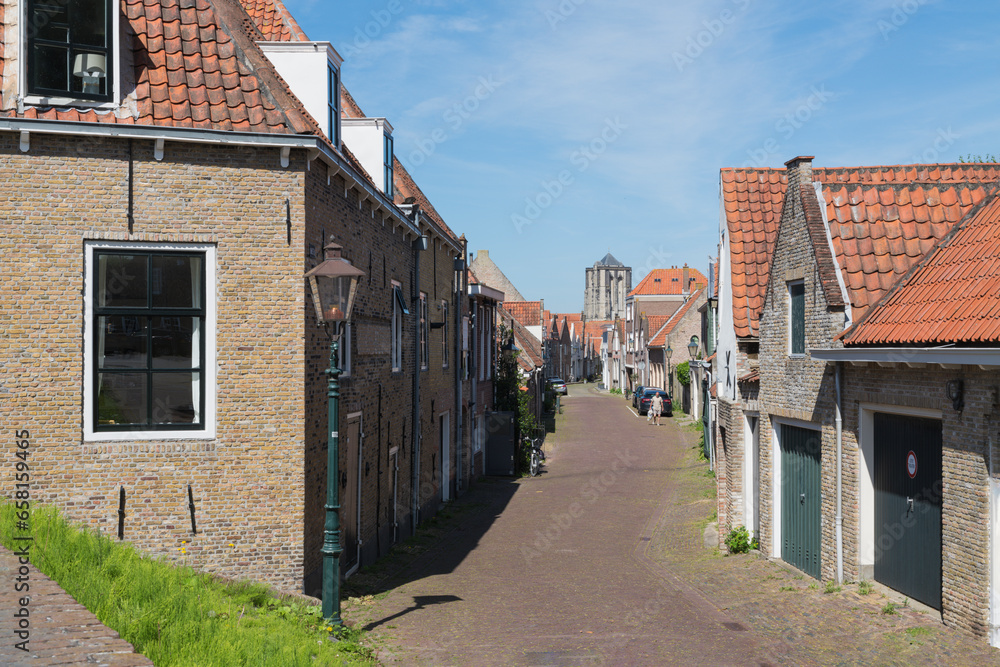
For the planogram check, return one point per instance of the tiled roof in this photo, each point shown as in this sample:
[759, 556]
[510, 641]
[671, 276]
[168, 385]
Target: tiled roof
[609, 260]
[953, 296]
[274, 22]
[659, 339]
[192, 71]
[882, 221]
[752, 376]
[880, 232]
[668, 281]
[528, 313]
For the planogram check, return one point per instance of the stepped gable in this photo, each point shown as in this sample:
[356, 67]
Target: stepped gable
[952, 295]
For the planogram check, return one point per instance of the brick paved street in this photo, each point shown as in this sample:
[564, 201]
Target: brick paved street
[62, 631]
[601, 561]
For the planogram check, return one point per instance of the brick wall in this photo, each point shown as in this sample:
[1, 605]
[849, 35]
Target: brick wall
[247, 482]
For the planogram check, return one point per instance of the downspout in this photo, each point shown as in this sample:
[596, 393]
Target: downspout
[417, 430]
[457, 363]
[840, 513]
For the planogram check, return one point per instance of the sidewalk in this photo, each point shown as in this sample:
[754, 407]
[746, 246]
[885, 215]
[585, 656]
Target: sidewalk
[61, 631]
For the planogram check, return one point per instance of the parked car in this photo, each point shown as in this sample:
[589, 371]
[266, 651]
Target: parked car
[638, 394]
[557, 385]
[647, 397]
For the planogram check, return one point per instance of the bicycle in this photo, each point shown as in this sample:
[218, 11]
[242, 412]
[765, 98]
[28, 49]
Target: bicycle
[537, 456]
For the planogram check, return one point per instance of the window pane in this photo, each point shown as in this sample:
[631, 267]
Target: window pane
[175, 396]
[121, 398]
[90, 22]
[50, 22]
[176, 281]
[176, 342]
[121, 342]
[798, 316]
[122, 281]
[51, 67]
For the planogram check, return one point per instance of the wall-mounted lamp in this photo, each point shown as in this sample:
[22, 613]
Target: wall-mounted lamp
[693, 347]
[955, 390]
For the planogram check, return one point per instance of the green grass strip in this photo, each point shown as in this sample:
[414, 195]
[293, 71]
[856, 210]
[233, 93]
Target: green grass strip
[176, 615]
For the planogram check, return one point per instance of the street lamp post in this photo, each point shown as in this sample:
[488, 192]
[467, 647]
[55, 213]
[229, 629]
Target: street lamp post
[333, 284]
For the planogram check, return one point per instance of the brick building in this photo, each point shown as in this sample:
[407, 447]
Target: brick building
[173, 190]
[869, 453]
[608, 282]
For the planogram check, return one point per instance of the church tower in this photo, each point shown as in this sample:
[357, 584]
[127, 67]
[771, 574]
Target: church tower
[608, 283]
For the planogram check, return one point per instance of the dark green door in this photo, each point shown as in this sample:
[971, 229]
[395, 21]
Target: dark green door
[908, 506]
[800, 498]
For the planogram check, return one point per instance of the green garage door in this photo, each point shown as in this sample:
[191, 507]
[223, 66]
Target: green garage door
[908, 506]
[800, 498]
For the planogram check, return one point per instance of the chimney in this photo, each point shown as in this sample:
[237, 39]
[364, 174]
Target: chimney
[685, 278]
[799, 170]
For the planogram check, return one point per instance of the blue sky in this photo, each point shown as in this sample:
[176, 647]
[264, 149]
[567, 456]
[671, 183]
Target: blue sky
[553, 131]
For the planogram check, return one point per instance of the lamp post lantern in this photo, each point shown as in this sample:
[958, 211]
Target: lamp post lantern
[693, 347]
[333, 283]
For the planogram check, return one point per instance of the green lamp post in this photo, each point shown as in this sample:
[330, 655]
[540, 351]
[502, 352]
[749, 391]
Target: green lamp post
[333, 284]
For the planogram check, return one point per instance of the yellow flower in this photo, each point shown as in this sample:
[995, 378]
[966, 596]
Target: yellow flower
[329, 628]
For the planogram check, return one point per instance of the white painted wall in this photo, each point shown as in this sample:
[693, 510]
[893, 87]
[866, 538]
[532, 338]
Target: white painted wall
[726, 351]
[304, 65]
[365, 137]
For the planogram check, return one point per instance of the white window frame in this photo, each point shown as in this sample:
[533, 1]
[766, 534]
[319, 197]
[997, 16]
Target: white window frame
[210, 360]
[396, 334]
[444, 334]
[424, 343]
[40, 100]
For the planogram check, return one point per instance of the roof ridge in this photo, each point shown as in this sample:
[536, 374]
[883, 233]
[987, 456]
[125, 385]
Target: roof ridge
[905, 279]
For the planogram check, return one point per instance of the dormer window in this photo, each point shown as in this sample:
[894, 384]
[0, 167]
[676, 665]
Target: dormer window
[69, 48]
[388, 165]
[333, 103]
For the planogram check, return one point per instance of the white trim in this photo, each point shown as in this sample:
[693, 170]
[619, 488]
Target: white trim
[209, 363]
[866, 473]
[848, 315]
[751, 471]
[39, 100]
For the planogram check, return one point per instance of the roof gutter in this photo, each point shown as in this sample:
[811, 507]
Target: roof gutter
[486, 291]
[313, 145]
[945, 356]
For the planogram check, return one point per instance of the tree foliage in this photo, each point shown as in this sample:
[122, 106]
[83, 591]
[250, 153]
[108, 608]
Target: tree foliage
[683, 371]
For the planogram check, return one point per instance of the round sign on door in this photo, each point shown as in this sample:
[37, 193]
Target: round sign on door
[911, 464]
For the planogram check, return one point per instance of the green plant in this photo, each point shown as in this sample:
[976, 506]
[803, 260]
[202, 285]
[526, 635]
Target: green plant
[786, 588]
[917, 631]
[174, 614]
[889, 609]
[865, 587]
[979, 159]
[831, 587]
[683, 371]
[738, 540]
[813, 586]
[616, 391]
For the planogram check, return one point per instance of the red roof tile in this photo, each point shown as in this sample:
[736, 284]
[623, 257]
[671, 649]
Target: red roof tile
[668, 282]
[952, 296]
[274, 22]
[174, 49]
[659, 336]
[882, 220]
[528, 313]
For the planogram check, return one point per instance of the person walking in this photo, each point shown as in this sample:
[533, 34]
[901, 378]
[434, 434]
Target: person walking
[655, 407]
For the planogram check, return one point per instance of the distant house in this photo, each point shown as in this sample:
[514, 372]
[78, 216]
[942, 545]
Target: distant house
[864, 450]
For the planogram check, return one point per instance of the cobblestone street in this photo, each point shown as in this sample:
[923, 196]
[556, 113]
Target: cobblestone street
[601, 561]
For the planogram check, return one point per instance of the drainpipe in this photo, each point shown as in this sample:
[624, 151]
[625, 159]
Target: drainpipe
[840, 513]
[457, 363]
[414, 214]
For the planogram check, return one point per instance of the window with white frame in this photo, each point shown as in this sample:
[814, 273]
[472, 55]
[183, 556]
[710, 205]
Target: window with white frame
[444, 334]
[398, 310]
[424, 333]
[387, 157]
[796, 317]
[149, 341]
[333, 103]
[70, 49]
